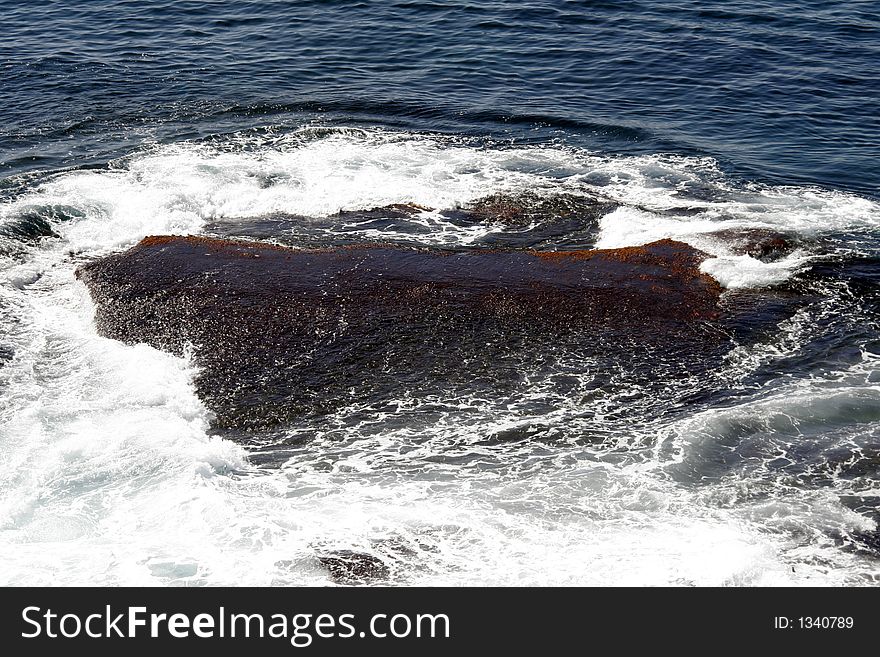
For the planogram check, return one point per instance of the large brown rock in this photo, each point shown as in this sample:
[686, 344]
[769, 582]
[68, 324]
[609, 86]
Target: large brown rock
[280, 332]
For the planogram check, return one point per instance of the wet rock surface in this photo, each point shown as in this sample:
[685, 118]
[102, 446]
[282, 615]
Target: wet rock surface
[763, 245]
[354, 568]
[510, 220]
[279, 333]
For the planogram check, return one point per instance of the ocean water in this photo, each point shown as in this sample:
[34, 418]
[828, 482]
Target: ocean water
[123, 119]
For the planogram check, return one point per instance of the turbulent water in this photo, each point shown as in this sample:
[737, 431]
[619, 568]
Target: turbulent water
[265, 120]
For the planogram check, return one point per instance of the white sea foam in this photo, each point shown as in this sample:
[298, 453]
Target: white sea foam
[744, 271]
[177, 188]
[669, 183]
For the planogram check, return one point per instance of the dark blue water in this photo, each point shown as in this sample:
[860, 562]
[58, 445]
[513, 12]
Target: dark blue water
[302, 123]
[783, 91]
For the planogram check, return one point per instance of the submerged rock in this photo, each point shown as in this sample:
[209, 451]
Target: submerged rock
[761, 244]
[280, 332]
[531, 220]
[514, 220]
[526, 208]
[349, 567]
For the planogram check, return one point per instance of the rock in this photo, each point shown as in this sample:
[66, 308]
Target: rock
[280, 332]
[523, 209]
[529, 220]
[522, 220]
[769, 248]
[393, 211]
[299, 229]
[761, 244]
[349, 567]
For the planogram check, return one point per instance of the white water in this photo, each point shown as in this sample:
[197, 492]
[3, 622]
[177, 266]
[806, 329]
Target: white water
[109, 474]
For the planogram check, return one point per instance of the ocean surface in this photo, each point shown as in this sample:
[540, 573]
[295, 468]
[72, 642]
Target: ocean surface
[122, 119]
